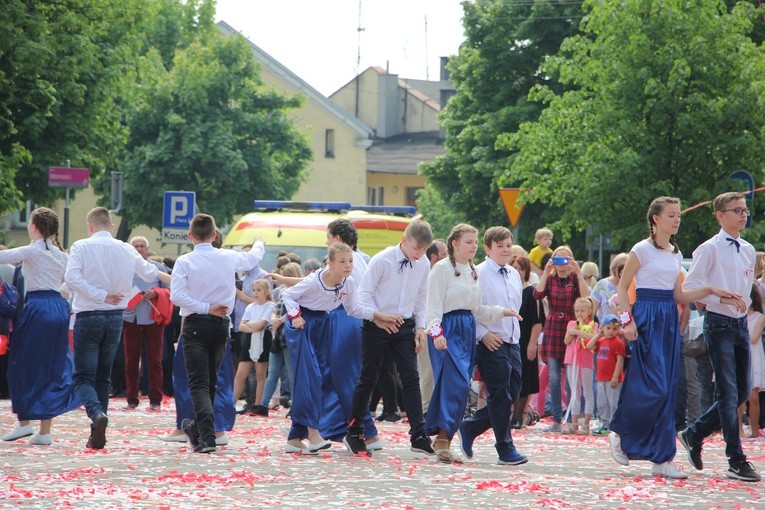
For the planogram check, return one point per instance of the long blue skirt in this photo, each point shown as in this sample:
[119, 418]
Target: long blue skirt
[344, 358]
[645, 414]
[451, 373]
[310, 369]
[224, 411]
[40, 363]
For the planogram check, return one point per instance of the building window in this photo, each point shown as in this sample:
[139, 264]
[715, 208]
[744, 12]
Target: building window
[375, 195]
[411, 196]
[329, 143]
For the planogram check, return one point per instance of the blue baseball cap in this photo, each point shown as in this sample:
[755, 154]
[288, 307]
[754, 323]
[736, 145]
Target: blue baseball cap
[609, 319]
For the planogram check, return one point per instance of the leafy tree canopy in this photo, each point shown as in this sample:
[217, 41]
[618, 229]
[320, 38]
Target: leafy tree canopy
[506, 43]
[666, 99]
[201, 120]
[60, 68]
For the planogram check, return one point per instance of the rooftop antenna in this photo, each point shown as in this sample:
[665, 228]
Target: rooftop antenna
[427, 71]
[359, 29]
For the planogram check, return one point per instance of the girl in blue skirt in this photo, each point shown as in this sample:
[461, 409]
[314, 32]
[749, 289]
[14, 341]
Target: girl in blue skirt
[643, 426]
[40, 362]
[307, 334]
[454, 304]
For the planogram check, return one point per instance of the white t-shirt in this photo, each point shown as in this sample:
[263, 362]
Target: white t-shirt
[254, 313]
[659, 269]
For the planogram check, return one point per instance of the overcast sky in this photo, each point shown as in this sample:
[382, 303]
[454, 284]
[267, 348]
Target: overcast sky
[318, 39]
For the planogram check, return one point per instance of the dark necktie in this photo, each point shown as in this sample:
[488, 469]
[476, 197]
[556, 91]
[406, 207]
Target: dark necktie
[733, 241]
[503, 272]
[403, 263]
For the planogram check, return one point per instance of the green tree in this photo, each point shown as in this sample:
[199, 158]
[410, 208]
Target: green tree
[668, 101]
[506, 42]
[60, 70]
[204, 122]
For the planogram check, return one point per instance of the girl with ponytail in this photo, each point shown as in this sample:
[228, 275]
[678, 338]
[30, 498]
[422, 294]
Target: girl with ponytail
[40, 363]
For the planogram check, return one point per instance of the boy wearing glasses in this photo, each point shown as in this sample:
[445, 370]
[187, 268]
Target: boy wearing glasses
[727, 261]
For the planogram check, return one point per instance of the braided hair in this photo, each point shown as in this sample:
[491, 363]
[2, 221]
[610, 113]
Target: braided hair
[46, 222]
[655, 209]
[455, 235]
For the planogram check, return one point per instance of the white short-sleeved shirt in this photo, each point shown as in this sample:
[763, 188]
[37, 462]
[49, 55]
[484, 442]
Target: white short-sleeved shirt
[659, 269]
[255, 312]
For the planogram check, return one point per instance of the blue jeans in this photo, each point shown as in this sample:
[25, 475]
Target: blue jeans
[96, 338]
[501, 373]
[277, 364]
[554, 373]
[728, 344]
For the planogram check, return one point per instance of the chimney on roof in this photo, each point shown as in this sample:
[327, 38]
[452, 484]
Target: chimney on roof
[444, 74]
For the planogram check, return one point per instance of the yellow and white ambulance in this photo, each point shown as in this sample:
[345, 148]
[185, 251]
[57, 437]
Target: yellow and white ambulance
[301, 227]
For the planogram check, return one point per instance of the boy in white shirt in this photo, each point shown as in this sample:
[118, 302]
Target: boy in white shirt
[725, 261]
[203, 287]
[498, 353]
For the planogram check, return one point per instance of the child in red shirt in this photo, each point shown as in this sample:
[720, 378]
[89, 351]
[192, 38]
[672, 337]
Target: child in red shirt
[610, 355]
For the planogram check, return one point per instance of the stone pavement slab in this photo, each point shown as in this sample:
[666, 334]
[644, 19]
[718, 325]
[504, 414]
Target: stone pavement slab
[137, 470]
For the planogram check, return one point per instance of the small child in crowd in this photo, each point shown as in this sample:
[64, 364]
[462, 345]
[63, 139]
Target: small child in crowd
[256, 347]
[755, 324]
[543, 238]
[579, 366]
[610, 350]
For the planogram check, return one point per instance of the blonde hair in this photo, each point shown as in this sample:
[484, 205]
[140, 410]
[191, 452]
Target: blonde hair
[620, 258]
[588, 266]
[266, 286]
[292, 270]
[336, 248]
[588, 301]
[563, 248]
[542, 232]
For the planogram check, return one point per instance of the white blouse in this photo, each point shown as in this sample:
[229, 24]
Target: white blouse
[447, 292]
[659, 269]
[43, 268]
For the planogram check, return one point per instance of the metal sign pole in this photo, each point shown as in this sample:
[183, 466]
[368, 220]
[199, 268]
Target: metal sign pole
[66, 211]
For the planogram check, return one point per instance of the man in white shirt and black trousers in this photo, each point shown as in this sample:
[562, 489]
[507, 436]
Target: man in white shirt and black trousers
[100, 275]
[725, 261]
[203, 287]
[498, 353]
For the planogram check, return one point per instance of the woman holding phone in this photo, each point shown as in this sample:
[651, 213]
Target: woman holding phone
[561, 283]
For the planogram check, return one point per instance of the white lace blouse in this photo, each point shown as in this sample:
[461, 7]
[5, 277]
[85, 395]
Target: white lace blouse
[43, 268]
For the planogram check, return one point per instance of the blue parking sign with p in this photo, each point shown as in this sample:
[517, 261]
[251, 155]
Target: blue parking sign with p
[178, 209]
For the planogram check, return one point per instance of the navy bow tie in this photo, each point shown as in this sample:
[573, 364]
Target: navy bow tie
[732, 242]
[403, 263]
[503, 272]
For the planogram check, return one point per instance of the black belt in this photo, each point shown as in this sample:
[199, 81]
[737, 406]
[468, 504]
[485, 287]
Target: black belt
[206, 317]
[100, 312]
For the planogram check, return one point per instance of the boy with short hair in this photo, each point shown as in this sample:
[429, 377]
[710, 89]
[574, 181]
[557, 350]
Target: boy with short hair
[609, 346]
[396, 282]
[726, 261]
[203, 287]
[543, 238]
[498, 353]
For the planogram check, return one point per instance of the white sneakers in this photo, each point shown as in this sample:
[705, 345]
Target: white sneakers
[616, 449]
[180, 438]
[664, 469]
[18, 432]
[668, 470]
[376, 446]
[41, 439]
